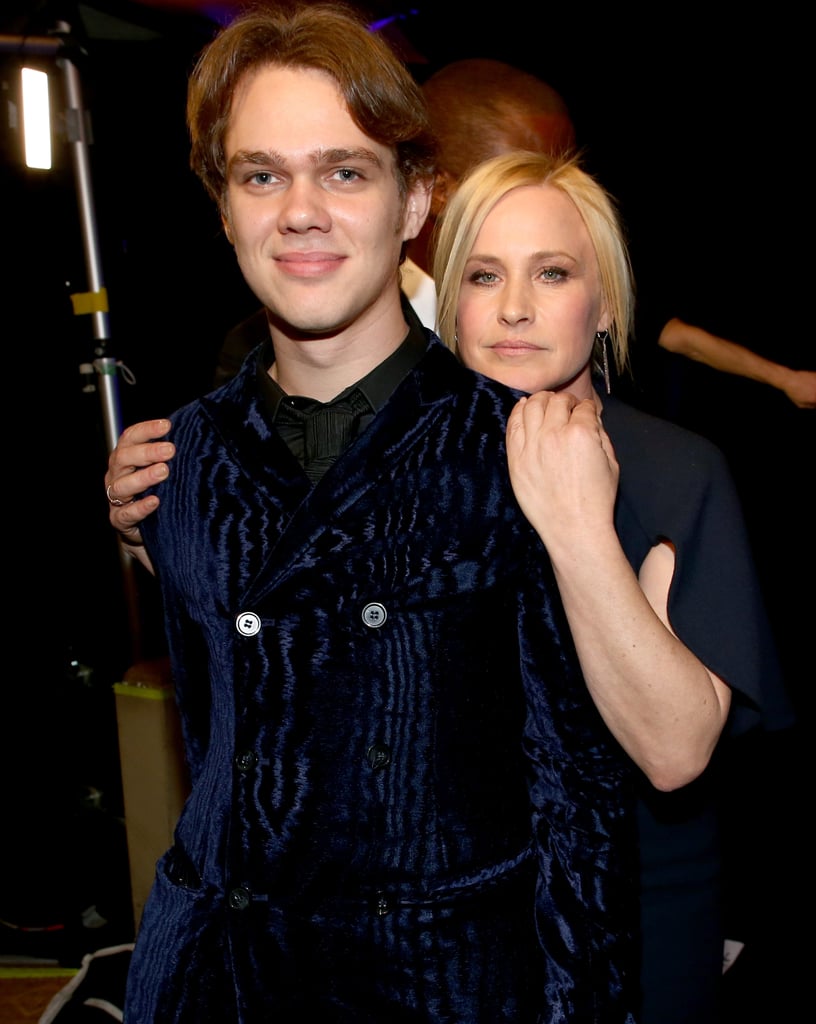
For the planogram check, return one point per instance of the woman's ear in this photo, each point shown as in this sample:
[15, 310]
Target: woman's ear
[227, 229]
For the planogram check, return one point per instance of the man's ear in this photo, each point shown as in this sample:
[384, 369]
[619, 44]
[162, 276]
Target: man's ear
[227, 229]
[417, 208]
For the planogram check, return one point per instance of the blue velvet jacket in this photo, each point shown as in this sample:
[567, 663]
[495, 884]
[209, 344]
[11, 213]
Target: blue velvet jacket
[404, 806]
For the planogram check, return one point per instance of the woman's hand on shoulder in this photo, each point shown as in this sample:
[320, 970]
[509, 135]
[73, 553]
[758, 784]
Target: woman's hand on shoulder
[562, 465]
[137, 462]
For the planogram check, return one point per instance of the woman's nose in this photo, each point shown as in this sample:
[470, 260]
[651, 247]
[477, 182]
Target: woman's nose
[516, 304]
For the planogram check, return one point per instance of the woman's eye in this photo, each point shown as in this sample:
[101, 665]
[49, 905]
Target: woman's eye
[483, 277]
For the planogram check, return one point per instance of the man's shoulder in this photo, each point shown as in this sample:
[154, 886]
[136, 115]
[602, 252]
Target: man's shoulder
[440, 367]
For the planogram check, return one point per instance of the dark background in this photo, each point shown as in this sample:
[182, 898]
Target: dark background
[698, 122]
[697, 118]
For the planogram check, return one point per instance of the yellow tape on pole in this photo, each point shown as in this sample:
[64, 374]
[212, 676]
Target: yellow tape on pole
[90, 302]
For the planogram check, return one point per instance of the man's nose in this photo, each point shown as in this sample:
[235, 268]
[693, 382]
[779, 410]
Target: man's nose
[304, 207]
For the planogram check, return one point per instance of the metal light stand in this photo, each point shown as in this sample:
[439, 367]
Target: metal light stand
[94, 302]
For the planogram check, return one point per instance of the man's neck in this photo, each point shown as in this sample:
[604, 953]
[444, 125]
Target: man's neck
[323, 367]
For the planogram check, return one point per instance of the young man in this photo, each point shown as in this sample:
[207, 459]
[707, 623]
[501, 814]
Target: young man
[404, 805]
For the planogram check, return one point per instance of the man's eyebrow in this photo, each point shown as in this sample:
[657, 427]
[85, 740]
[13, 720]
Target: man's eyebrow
[260, 157]
[339, 155]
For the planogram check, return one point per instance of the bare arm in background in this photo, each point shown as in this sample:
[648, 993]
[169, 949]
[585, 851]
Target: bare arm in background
[720, 354]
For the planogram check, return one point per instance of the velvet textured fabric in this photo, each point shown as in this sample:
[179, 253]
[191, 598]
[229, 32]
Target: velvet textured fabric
[404, 806]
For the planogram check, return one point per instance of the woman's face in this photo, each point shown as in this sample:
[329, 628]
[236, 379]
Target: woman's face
[530, 300]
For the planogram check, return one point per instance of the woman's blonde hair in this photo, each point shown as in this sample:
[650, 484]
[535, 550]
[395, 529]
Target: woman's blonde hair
[465, 213]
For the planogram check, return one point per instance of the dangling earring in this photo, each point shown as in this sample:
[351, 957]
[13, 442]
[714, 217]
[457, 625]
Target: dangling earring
[602, 337]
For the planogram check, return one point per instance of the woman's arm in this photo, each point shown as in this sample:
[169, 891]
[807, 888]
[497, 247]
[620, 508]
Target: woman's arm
[663, 705]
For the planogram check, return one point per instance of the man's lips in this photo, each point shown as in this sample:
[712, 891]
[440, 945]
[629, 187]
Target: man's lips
[309, 264]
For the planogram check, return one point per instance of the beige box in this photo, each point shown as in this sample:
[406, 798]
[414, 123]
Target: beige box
[155, 782]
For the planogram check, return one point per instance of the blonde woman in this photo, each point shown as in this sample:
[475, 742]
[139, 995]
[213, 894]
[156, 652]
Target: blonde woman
[641, 522]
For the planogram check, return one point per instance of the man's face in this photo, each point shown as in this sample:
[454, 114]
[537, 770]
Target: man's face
[312, 207]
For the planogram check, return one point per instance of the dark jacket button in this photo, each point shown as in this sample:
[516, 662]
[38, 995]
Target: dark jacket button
[382, 904]
[239, 898]
[246, 760]
[378, 756]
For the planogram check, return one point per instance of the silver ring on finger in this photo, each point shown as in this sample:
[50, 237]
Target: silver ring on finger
[117, 502]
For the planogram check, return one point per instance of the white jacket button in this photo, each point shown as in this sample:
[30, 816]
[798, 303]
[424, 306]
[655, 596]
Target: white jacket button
[374, 614]
[248, 623]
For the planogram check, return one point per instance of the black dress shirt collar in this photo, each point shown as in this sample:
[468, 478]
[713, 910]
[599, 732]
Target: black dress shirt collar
[366, 397]
[377, 386]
